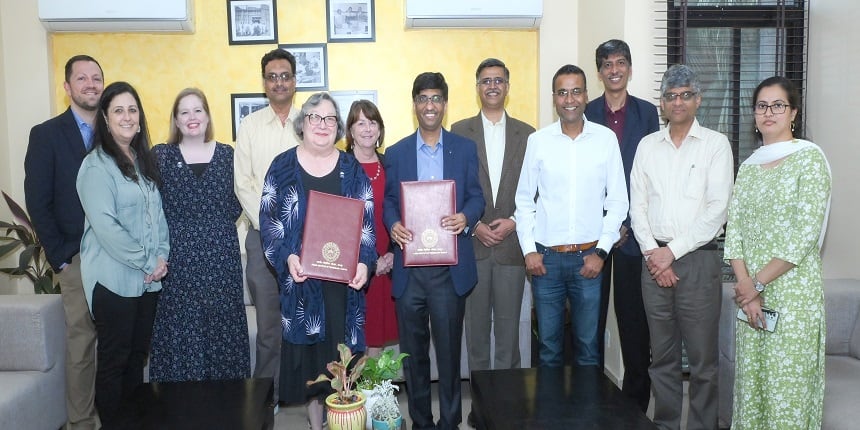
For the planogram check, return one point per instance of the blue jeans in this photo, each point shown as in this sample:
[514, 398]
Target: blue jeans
[563, 281]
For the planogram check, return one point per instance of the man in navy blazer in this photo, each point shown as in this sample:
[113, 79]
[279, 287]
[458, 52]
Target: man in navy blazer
[435, 295]
[54, 154]
[631, 119]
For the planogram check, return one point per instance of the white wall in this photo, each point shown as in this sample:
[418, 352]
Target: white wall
[25, 100]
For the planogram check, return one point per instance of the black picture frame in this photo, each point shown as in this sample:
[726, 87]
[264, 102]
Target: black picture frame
[311, 65]
[350, 20]
[244, 104]
[252, 22]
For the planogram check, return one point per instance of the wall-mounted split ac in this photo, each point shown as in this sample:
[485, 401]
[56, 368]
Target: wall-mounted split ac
[502, 14]
[117, 15]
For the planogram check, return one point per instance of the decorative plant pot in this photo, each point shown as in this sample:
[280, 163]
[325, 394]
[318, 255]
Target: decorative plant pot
[346, 417]
[383, 425]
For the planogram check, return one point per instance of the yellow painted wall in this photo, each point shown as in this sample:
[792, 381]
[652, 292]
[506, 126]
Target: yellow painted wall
[160, 65]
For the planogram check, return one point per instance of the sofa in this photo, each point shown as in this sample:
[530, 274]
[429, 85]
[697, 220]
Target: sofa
[842, 354]
[32, 362]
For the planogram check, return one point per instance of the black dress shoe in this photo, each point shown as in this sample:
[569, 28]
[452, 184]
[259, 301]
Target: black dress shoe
[470, 420]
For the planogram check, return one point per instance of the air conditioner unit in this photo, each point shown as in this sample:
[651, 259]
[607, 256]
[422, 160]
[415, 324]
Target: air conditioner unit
[119, 16]
[502, 14]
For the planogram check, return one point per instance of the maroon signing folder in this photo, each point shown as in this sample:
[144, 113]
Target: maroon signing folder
[423, 205]
[331, 237]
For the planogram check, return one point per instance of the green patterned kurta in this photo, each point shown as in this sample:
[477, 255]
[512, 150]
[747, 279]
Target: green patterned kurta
[778, 212]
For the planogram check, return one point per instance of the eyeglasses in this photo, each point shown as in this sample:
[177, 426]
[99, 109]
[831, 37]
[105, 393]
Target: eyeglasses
[776, 108]
[423, 100]
[685, 96]
[487, 81]
[274, 77]
[329, 121]
[565, 92]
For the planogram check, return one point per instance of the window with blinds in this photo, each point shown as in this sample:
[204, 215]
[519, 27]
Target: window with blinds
[734, 45]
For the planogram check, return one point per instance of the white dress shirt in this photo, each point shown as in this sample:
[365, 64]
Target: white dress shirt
[575, 180]
[494, 142]
[261, 138]
[680, 195]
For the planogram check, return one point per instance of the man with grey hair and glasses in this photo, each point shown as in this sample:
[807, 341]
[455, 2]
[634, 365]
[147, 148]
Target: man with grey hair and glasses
[680, 187]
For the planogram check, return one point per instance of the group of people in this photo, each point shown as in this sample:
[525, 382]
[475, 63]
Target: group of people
[148, 257]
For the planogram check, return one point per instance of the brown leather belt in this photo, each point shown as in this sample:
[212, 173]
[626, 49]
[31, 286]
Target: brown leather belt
[576, 247]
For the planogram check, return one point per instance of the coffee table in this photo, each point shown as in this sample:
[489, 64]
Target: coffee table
[552, 398]
[244, 404]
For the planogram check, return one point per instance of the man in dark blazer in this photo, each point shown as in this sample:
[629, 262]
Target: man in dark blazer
[497, 298]
[433, 296]
[631, 119]
[54, 154]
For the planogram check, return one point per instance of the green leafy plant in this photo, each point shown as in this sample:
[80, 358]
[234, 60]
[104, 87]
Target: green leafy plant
[381, 368]
[32, 262]
[343, 376]
[385, 407]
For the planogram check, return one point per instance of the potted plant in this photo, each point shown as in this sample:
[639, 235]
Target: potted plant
[385, 411]
[32, 262]
[379, 369]
[345, 406]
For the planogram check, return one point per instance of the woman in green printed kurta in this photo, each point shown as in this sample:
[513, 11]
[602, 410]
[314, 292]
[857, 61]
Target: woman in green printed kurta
[776, 223]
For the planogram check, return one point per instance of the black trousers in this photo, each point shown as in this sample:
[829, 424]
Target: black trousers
[626, 271]
[431, 307]
[124, 332]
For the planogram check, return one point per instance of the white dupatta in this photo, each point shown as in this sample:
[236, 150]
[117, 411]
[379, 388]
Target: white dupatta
[776, 151]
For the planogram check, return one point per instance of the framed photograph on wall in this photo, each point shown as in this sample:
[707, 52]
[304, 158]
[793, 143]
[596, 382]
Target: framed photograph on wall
[344, 100]
[311, 65]
[252, 22]
[350, 20]
[241, 105]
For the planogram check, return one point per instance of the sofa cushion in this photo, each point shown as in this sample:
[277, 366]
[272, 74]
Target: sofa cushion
[855, 341]
[842, 303]
[33, 326]
[840, 393]
[32, 397]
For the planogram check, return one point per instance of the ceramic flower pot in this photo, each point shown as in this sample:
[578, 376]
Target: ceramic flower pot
[352, 416]
[383, 425]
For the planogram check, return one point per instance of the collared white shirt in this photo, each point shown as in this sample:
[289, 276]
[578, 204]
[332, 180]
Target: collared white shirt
[575, 180]
[261, 138]
[680, 195]
[494, 142]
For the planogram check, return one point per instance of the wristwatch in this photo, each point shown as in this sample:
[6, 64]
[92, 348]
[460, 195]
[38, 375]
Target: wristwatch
[758, 285]
[601, 253]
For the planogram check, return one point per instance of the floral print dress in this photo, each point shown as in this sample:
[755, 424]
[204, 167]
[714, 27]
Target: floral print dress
[778, 213]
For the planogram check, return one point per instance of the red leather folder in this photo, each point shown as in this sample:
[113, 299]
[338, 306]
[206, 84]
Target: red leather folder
[423, 205]
[331, 237]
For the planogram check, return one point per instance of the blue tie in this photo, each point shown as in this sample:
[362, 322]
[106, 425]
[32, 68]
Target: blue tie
[87, 135]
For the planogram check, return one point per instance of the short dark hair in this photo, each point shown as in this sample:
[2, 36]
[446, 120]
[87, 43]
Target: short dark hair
[75, 59]
[277, 54]
[430, 81]
[610, 47]
[492, 62]
[139, 144]
[569, 69]
[371, 112]
[793, 94]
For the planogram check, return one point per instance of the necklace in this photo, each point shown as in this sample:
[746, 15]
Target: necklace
[378, 171]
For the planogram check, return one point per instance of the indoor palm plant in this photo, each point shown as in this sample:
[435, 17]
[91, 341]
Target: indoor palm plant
[385, 411]
[32, 262]
[346, 405]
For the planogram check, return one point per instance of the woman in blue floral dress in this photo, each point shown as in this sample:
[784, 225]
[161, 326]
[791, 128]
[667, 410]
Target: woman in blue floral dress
[201, 332]
[315, 315]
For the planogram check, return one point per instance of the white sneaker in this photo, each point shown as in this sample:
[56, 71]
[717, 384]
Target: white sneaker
[277, 409]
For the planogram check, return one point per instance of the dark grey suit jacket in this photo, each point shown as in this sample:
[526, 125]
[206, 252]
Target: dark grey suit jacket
[516, 134]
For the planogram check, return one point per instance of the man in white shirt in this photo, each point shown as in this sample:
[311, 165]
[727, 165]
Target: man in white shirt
[497, 298]
[262, 136]
[679, 192]
[574, 168]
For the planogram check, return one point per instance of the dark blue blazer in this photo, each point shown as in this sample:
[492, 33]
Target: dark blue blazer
[641, 121]
[460, 163]
[54, 156]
